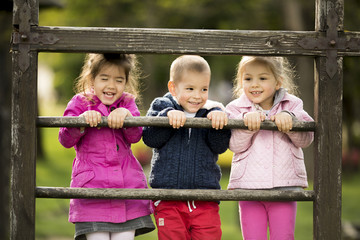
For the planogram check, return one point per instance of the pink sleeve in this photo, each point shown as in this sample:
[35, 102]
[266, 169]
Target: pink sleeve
[300, 139]
[132, 134]
[240, 139]
[68, 137]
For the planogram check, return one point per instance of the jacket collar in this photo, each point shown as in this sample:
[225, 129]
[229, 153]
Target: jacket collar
[105, 109]
[177, 106]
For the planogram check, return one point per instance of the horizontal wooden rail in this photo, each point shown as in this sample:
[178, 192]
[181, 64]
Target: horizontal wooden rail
[183, 41]
[175, 194]
[163, 122]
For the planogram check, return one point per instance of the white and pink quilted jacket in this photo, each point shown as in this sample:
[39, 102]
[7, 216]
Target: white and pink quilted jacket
[268, 159]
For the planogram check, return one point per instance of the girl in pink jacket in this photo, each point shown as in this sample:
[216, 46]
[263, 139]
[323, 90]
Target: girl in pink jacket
[103, 155]
[267, 159]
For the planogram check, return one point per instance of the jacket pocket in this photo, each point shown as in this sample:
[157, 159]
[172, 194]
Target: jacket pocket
[298, 162]
[82, 178]
[238, 165]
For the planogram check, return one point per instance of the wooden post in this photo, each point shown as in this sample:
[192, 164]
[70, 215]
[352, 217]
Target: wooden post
[23, 125]
[328, 115]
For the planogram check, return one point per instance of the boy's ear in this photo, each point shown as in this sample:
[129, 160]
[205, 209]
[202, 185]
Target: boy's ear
[171, 87]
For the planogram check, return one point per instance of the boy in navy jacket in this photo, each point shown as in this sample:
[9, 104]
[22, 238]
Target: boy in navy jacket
[186, 158]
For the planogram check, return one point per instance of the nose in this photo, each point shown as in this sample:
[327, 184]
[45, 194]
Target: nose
[111, 84]
[254, 83]
[197, 94]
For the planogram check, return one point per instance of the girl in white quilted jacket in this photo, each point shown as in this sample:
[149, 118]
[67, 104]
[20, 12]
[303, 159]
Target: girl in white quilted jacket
[266, 159]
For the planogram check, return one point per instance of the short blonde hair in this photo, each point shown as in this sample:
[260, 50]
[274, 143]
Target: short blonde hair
[188, 63]
[280, 67]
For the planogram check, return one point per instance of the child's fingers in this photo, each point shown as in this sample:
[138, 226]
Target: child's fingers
[176, 118]
[218, 119]
[92, 118]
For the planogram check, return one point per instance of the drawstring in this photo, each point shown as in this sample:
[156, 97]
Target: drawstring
[193, 205]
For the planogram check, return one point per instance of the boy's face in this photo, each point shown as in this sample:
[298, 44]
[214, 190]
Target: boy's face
[191, 91]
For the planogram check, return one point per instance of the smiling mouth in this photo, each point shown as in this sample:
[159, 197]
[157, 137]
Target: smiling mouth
[195, 103]
[256, 93]
[109, 94]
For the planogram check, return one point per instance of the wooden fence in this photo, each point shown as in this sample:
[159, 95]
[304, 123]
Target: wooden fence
[328, 44]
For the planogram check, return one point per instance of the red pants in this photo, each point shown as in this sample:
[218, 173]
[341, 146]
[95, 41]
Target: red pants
[185, 220]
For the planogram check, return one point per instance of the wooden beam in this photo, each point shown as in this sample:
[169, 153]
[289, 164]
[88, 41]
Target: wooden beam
[174, 194]
[23, 149]
[164, 122]
[328, 135]
[183, 41]
[23, 125]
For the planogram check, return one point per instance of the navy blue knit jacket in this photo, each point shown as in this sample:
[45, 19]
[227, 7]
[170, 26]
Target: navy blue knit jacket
[180, 161]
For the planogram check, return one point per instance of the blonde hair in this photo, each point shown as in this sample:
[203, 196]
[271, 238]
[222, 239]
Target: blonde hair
[93, 64]
[188, 63]
[280, 67]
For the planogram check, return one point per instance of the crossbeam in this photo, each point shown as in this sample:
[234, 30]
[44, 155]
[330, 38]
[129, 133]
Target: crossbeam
[181, 41]
[164, 122]
[175, 194]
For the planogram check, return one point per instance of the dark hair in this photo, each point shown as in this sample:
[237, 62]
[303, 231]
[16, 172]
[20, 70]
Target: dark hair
[94, 62]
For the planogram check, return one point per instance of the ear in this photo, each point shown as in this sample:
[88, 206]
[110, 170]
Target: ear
[278, 85]
[171, 87]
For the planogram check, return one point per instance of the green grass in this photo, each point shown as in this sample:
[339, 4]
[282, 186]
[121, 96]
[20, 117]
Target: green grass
[55, 170]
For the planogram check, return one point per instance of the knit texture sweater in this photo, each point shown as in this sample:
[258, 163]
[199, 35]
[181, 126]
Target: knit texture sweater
[181, 160]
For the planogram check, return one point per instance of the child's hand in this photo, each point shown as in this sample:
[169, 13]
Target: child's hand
[116, 117]
[176, 118]
[92, 117]
[218, 119]
[253, 119]
[283, 121]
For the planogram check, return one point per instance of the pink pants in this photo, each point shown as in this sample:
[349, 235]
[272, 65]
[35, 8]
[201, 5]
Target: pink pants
[187, 220]
[255, 217]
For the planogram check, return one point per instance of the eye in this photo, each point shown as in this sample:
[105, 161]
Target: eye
[204, 90]
[120, 80]
[189, 89]
[247, 79]
[104, 78]
[263, 78]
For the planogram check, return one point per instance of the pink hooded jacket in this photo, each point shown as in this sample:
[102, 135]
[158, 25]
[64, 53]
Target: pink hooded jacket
[104, 160]
[268, 159]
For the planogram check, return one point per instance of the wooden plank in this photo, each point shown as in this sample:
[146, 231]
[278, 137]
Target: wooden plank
[175, 41]
[328, 142]
[32, 8]
[23, 149]
[174, 194]
[328, 135]
[164, 122]
[183, 41]
[23, 125]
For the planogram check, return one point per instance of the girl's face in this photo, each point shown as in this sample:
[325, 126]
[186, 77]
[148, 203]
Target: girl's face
[109, 83]
[259, 84]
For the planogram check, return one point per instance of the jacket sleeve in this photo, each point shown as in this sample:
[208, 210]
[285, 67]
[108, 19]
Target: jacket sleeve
[156, 137]
[241, 139]
[218, 140]
[132, 134]
[68, 137]
[300, 139]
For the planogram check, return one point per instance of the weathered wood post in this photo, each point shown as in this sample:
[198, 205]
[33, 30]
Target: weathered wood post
[328, 115]
[23, 122]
